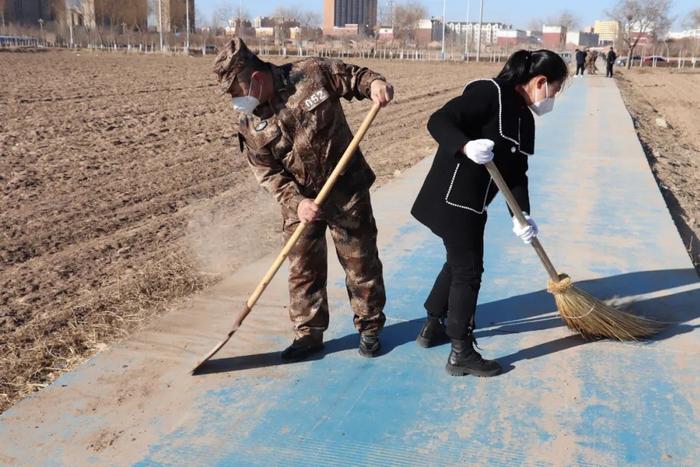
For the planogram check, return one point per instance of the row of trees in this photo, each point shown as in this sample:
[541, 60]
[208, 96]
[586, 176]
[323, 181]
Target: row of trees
[125, 21]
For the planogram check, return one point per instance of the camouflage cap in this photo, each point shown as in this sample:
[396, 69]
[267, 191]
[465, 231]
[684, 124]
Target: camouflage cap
[230, 61]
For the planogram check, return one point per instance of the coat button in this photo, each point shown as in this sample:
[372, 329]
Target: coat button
[512, 149]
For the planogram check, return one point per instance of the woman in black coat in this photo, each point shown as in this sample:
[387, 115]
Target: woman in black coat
[491, 120]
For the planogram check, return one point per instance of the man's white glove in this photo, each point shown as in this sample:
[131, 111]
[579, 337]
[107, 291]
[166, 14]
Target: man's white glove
[479, 150]
[526, 232]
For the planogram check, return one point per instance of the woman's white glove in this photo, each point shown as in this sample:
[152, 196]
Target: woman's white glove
[479, 150]
[526, 232]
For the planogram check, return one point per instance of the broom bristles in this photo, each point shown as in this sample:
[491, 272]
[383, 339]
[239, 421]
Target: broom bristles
[592, 318]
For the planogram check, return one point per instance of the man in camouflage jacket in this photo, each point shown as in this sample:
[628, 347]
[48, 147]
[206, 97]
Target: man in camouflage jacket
[293, 134]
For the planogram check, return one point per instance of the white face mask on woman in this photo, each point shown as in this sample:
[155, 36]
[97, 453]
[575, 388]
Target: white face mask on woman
[545, 105]
[245, 104]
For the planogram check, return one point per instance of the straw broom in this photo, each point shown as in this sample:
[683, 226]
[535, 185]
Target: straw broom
[581, 312]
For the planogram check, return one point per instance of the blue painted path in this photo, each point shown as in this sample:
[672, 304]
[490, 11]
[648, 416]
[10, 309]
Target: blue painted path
[563, 401]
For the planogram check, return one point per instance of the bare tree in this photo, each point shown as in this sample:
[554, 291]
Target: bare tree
[565, 19]
[692, 21]
[2, 14]
[222, 14]
[178, 13]
[385, 12]
[288, 13]
[535, 24]
[310, 19]
[305, 18]
[639, 18]
[122, 17]
[406, 17]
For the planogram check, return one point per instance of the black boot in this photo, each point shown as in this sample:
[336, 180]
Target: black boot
[432, 333]
[302, 348]
[369, 345]
[465, 360]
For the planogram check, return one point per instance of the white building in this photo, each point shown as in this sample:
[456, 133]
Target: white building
[689, 34]
[489, 31]
[264, 32]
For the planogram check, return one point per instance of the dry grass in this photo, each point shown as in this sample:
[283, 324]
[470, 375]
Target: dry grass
[34, 355]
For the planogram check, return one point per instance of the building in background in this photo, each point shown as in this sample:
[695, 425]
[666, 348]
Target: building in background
[511, 37]
[424, 32]
[582, 39]
[489, 31]
[29, 12]
[81, 13]
[608, 32]
[178, 14]
[265, 32]
[244, 28]
[386, 33]
[553, 37]
[688, 34]
[344, 16]
[645, 40]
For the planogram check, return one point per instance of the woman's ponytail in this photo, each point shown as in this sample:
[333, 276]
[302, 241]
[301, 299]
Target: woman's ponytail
[523, 65]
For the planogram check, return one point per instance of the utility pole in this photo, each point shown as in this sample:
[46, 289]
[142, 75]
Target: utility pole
[70, 26]
[187, 27]
[160, 24]
[239, 26]
[444, 20]
[466, 31]
[391, 13]
[41, 26]
[478, 41]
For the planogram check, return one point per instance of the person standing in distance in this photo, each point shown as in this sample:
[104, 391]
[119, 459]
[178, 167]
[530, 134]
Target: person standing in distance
[610, 61]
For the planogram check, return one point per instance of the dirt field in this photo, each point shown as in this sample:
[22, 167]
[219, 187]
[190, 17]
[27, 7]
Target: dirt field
[673, 148]
[123, 190]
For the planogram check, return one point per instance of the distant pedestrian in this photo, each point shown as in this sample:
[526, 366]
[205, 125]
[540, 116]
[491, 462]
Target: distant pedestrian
[611, 57]
[580, 61]
[591, 57]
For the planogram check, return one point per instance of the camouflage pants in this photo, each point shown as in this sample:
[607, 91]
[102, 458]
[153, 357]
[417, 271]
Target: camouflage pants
[354, 233]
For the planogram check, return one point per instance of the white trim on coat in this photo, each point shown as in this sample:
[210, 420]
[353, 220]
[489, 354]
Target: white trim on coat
[500, 107]
[500, 113]
[500, 130]
[449, 190]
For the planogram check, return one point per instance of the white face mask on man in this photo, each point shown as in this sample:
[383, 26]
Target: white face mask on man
[245, 104]
[545, 105]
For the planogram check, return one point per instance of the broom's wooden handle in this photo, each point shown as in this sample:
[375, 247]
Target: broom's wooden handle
[320, 198]
[518, 213]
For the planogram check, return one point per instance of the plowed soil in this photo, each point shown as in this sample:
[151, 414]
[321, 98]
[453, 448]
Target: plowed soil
[123, 190]
[664, 105]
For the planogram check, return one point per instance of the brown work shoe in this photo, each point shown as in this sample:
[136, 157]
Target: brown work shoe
[301, 348]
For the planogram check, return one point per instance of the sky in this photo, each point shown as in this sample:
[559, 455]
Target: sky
[515, 12]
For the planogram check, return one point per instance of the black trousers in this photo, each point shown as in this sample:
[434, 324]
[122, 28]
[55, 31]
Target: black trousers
[579, 66]
[610, 70]
[457, 285]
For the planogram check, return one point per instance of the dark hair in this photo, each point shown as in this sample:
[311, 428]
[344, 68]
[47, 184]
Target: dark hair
[256, 64]
[524, 65]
